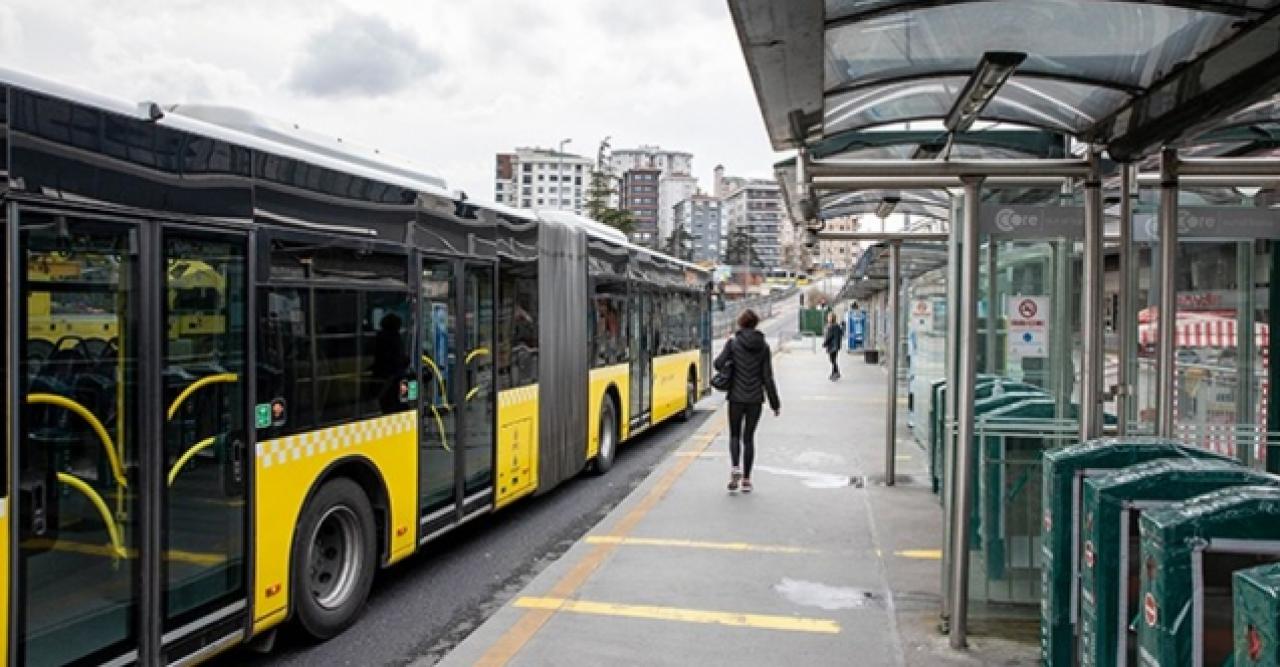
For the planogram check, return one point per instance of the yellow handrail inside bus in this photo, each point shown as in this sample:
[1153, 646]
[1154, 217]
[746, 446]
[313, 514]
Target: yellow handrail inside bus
[436, 371]
[117, 470]
[196, 386]
[186, 456]
[478, 352]
[472, 394]
[113, 531]
[444, 440]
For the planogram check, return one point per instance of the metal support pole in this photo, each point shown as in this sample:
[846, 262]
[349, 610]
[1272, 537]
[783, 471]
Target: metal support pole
[946, 438]
[1165, 345]
[1245, 440]
[964, 473]
[891, 413]
[992, 325]
[1091, 296]
[1124, 330]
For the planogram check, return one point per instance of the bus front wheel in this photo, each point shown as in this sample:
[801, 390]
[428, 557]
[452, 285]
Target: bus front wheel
[334, 555]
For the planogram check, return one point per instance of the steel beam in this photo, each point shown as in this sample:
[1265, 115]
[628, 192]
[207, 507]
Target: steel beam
[1091, 295]
[944, 168]
[1213, 180]
[884, 236]
[963, 468]
[1229, 166]
[1165, 345]
[1123, 318]
[853, 183]
[895, 316]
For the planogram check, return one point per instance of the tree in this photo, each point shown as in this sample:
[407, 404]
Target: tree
[740, 249]
[678, 243]
[600, 193]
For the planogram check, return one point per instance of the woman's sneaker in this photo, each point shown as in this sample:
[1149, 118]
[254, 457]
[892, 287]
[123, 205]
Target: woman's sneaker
[734, 476]
[746, 485]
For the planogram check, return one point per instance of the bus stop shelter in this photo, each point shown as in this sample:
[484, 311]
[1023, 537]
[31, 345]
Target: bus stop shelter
[1139, 94]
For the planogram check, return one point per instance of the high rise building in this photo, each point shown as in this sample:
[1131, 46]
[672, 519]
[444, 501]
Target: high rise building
[699, 217]
[651, 157]
[833, 254]
[639, 195]
[674, 183]
[541, 178]
[672, 189]
[755, 209]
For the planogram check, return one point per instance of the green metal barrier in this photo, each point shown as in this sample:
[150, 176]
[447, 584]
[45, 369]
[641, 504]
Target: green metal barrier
[1113, 505]
[1190, 550]
[985, 387]
[1064, 472]
[1257, 616]
[813, 321]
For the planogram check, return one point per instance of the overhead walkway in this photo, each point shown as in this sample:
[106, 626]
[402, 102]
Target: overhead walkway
[821, 565]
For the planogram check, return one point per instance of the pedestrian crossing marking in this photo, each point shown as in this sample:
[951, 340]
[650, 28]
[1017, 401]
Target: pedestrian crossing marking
[730, 619]
[696, 544]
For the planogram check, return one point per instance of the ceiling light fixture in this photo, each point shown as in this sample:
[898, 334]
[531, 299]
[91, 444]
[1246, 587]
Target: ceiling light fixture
[993, 70]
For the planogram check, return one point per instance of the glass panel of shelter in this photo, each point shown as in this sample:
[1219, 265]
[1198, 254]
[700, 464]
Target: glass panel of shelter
[1222, 324]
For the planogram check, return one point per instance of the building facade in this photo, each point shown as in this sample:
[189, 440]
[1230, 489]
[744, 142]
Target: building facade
[540, 178]
[674, 184]
[668, 163]
[672, 189]
[699, 217]
[838, 255]
[639, 195]
[755, 211]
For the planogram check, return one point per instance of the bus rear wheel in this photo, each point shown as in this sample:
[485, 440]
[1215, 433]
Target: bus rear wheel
[334, 555]
[690, 397]
[608, 437]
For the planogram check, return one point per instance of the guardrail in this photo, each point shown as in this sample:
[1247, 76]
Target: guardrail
[723, 321]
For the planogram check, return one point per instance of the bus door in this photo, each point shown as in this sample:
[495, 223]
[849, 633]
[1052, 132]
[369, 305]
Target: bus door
[204, 343]
[438, 444]
[130, 440]
[641, 354]
[479, 306]
[457, 380]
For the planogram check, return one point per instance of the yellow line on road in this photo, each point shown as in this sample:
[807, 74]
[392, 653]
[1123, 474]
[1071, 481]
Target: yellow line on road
[920, 554]
[696, 544]
[731, 619]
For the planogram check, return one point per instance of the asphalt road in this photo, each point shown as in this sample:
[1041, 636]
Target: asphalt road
[424, 606]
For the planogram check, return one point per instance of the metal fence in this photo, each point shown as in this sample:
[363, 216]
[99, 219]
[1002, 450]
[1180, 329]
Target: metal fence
[723, 322]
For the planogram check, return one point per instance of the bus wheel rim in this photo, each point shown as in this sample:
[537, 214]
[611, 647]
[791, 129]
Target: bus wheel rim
[335, 556]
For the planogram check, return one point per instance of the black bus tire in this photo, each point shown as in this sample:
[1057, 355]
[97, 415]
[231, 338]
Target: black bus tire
[334, 557]
[608, 434]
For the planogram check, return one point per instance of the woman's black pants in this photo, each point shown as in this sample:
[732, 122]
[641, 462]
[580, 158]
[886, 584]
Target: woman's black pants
[743, 419]
[835, 368]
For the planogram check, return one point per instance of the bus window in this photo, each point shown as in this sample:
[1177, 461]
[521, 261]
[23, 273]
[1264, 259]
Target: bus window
[518, 325]
[284, 360]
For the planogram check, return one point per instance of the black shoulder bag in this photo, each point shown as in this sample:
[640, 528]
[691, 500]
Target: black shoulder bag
[723, 378]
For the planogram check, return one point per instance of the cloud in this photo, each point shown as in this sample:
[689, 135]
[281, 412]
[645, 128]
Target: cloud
[359, 55]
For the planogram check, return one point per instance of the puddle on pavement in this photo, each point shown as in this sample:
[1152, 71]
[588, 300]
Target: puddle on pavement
[813, 480]
[822, 596]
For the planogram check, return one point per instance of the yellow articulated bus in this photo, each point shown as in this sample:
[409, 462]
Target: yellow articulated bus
[246, 367]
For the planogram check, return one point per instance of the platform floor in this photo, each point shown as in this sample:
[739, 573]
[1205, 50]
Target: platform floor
[821, 565]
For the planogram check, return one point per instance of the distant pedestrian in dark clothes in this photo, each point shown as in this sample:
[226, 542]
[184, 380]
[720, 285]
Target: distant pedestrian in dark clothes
[748, 361]
[831, 343]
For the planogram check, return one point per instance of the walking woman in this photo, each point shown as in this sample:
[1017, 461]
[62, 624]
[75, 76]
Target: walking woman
[831, 343]
[747, 360]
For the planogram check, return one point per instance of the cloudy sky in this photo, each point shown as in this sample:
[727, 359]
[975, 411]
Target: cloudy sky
[442, 82]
